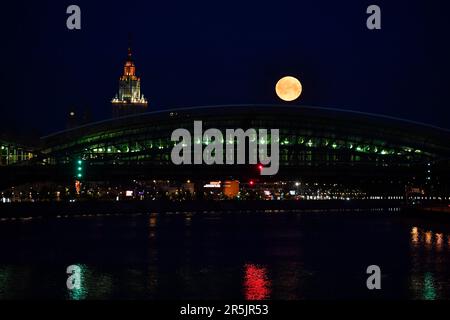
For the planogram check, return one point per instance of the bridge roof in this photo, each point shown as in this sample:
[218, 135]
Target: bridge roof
[279, 116]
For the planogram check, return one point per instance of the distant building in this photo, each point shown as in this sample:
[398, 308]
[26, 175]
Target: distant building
[129, 100]
[12, 152]
[231, 189]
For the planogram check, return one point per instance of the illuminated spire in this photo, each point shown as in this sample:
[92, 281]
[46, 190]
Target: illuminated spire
[129, 69]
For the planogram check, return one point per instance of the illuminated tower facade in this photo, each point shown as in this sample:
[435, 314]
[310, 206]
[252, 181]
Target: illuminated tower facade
[129, 100]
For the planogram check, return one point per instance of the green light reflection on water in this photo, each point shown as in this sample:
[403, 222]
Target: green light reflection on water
[81, 292]
[429, 291]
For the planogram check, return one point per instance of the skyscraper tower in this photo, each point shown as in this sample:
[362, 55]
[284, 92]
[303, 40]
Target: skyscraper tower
[129, 99]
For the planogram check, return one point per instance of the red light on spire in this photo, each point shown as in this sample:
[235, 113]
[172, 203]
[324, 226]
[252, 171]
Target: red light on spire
[252, 182]
[260, 167]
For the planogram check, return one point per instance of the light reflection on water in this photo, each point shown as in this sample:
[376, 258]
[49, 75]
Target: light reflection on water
[430, 255]
[81, 292]
[429, 290]
[256, 282]
[220, 256]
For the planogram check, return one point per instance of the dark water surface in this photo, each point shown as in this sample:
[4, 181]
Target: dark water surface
[226, 256]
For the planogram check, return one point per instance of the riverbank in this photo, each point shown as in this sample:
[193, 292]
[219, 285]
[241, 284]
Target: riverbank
[88, 208]
[52, 209]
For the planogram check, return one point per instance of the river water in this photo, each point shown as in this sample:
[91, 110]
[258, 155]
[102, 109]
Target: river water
[248, 256]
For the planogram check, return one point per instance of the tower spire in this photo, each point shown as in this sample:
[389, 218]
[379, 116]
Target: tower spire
[130, 40]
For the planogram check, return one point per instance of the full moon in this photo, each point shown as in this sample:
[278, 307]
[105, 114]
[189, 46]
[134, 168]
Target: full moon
[288, 88]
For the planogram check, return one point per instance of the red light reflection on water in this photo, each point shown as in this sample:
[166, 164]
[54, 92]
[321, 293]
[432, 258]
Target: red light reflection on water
[256, 282]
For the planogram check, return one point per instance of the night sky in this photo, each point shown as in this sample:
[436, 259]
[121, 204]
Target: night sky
[190, 53]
